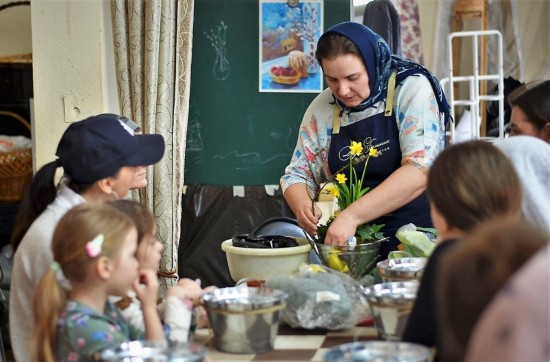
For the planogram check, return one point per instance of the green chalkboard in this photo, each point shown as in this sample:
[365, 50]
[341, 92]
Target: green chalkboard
[237, 135]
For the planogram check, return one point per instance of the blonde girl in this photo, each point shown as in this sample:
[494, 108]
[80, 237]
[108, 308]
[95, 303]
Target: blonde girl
[176, 310]
[94, 247]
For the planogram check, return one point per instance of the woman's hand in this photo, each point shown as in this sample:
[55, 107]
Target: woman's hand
[307, 212]
[401, 187]
[307, 219]
[343, 226]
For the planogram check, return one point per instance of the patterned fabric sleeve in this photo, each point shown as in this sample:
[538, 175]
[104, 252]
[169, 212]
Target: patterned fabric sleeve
[82, 332]
[309, 162]
[421, 129]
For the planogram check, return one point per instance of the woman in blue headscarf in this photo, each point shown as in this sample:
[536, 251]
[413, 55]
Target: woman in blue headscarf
[382, 101]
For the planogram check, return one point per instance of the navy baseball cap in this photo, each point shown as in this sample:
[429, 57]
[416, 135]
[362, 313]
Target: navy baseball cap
[97, 147]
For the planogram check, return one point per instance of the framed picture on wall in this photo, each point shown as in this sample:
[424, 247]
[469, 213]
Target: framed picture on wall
[289, 30]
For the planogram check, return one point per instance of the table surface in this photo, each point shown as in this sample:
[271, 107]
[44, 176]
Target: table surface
[293, 345]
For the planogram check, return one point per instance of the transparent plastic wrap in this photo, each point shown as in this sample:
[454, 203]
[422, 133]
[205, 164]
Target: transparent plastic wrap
[320, 297]
[415, 241]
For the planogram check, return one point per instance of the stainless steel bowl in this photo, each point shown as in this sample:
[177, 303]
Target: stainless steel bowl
[378, 351]
[402, 269]
[358, 262]
[391, 304]
[154, 351]
[244, 319]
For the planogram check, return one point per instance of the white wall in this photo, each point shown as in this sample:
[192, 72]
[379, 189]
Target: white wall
[73, 63]
[15, 29]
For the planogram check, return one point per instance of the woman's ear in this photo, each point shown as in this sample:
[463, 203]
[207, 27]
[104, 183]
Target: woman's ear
[104, 267]
[105, 185]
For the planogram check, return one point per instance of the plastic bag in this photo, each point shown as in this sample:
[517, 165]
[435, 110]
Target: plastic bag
[14, 143]
[320, 297]
[416, 241]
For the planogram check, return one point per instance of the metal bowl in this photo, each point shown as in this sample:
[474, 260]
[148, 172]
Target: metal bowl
[155, 351]
[402, 269]
[244, 319]
[391, 304]
[378, 351]
[358, 262]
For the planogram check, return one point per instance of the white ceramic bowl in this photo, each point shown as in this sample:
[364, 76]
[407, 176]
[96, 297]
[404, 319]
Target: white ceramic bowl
[260, 264]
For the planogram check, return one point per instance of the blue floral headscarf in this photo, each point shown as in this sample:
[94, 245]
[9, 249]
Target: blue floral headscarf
[381, 63]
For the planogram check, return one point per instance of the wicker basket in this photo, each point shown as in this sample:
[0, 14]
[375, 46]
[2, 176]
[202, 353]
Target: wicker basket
[15, 168]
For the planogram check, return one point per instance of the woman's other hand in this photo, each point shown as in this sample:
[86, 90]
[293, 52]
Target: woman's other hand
[307, 212]
[343, 226]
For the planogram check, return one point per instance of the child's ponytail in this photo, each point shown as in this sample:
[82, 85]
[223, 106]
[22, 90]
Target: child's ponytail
[49, 300]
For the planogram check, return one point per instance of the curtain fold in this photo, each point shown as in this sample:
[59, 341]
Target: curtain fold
[152, 40]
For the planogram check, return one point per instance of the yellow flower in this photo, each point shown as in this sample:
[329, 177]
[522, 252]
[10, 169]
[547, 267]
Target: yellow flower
[374, 152]
[341, 178]
[335, 191]
[334, 262]
[356, 148]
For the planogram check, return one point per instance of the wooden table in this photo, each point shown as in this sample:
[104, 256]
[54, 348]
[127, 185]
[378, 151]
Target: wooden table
[293, 345]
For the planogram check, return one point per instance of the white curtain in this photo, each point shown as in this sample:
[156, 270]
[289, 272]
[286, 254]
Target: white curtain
[152, 40]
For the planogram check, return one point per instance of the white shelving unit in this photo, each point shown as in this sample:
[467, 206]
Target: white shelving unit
[473, 80]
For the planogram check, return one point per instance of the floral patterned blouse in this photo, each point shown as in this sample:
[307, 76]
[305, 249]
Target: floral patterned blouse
[421, 132]
[83, 332]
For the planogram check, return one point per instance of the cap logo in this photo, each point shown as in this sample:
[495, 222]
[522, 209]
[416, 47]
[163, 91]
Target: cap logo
[126, 127]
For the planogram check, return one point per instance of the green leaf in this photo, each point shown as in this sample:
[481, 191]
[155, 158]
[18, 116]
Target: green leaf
[427, 230]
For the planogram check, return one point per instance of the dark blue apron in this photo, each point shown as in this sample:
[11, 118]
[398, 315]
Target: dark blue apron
[381, 132]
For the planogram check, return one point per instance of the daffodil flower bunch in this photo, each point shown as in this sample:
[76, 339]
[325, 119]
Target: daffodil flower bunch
[347, 187]
[346, 193]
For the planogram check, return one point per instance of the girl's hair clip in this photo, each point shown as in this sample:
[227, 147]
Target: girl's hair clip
[93, 248]
[54, 266]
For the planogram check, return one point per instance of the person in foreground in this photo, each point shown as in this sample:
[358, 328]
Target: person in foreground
[402, 118]
[468, 184]
[515, 326]
[176, 310]
[531, 110]
[473, 273]
[98, 156]
[94, 247]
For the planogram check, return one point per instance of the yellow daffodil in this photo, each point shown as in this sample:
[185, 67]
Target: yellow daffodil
[347, 185]
[341, 178]
[373, 152]
[334, 262]
[356, 148]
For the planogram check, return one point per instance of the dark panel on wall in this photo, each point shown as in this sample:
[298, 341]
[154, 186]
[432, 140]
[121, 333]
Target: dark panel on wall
[237, 135]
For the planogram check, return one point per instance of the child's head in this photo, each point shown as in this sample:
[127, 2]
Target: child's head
[88, 233]
[102, 147]
[531, 110]
[470, 182]
[100, 157]
[474, 271]
[149, 248]
[140, 175]
[94, 246]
